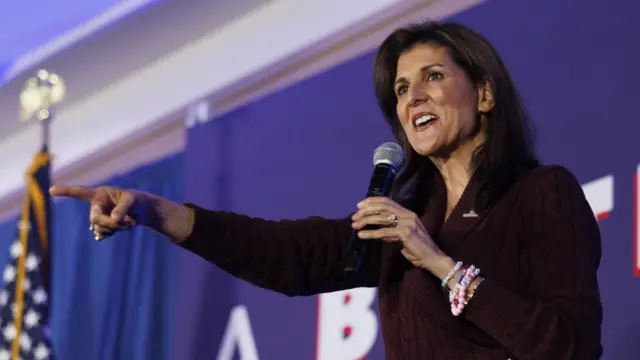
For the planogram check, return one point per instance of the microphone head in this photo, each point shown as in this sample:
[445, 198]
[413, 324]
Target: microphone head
[391, 154]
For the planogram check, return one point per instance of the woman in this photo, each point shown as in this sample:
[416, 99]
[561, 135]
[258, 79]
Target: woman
[482, 254]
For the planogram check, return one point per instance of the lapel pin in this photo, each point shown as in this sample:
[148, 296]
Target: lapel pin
[470, 214]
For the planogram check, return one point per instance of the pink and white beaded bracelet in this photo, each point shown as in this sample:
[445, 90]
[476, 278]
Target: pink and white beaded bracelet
[458, 295]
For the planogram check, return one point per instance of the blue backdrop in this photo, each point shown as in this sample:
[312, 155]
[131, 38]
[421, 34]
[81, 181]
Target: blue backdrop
[307, 150]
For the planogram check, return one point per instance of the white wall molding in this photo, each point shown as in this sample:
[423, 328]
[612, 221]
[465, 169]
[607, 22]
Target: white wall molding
[67, 39]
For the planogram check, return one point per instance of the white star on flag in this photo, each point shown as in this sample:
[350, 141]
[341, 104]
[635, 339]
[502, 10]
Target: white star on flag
[39, 296]
[31, 319]
[16, 249]
[5, 354]
[9, 332]
[41, 352]
[9, 274]
[32, 262]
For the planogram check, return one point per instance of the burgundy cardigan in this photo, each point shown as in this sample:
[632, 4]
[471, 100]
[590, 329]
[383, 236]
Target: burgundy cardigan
[538, 248]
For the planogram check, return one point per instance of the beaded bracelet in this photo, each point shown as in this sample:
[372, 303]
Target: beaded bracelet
[462, 292]
[457, 303]
[451, 274]
[458, 298]
[456, 287]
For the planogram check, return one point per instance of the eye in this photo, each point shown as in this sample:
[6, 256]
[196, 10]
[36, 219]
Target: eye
[400, 90]
[434, 76]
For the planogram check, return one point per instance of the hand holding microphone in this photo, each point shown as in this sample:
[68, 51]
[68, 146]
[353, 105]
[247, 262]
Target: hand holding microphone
[380, 218]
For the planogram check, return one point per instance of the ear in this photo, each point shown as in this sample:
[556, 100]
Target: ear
[485, 97]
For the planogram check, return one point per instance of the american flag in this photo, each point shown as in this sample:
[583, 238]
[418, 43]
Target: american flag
[24, 305]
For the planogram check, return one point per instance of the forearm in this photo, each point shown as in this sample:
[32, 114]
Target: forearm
[293, 257]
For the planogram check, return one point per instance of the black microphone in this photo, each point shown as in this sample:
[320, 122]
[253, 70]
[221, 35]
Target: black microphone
[388, 159]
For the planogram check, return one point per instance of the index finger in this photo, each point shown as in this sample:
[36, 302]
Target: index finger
[78, 192]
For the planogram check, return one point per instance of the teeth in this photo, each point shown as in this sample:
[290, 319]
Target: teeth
[425, 119]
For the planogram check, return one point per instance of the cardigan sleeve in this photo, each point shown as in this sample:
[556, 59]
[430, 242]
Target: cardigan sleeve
[560, 317]
[293, 257]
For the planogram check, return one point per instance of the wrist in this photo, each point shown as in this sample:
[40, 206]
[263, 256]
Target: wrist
[170, 219]
[441, 266]
[454, 279]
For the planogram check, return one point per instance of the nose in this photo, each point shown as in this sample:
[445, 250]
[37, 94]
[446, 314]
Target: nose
[416, 96]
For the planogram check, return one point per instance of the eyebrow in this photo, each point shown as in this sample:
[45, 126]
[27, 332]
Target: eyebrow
[422, 69]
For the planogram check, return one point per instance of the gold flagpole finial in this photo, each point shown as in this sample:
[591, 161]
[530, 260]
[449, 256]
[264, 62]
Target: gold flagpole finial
[40, 94]
[38, 98]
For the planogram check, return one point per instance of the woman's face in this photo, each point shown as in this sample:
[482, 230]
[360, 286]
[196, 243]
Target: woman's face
[437, 103]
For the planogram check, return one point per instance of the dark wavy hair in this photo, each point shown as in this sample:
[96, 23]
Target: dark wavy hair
[508, 149]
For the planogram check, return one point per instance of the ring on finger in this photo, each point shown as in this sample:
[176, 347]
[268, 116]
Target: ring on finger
[101, 236]
[392, 220]
[100, 233]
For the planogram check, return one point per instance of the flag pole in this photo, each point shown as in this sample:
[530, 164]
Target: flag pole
[45, 134]
[39, 96]
[37, 100]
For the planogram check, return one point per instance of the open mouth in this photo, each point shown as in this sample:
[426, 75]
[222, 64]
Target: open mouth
[423, 121]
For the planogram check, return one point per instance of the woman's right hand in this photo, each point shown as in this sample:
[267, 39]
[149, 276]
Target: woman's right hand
[112, 209]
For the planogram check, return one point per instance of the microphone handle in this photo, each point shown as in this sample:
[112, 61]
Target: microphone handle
[380, 185]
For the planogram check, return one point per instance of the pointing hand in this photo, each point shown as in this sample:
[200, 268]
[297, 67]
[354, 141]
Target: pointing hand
[112, 209]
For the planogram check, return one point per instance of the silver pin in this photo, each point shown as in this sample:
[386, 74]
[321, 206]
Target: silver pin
[470, 214]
